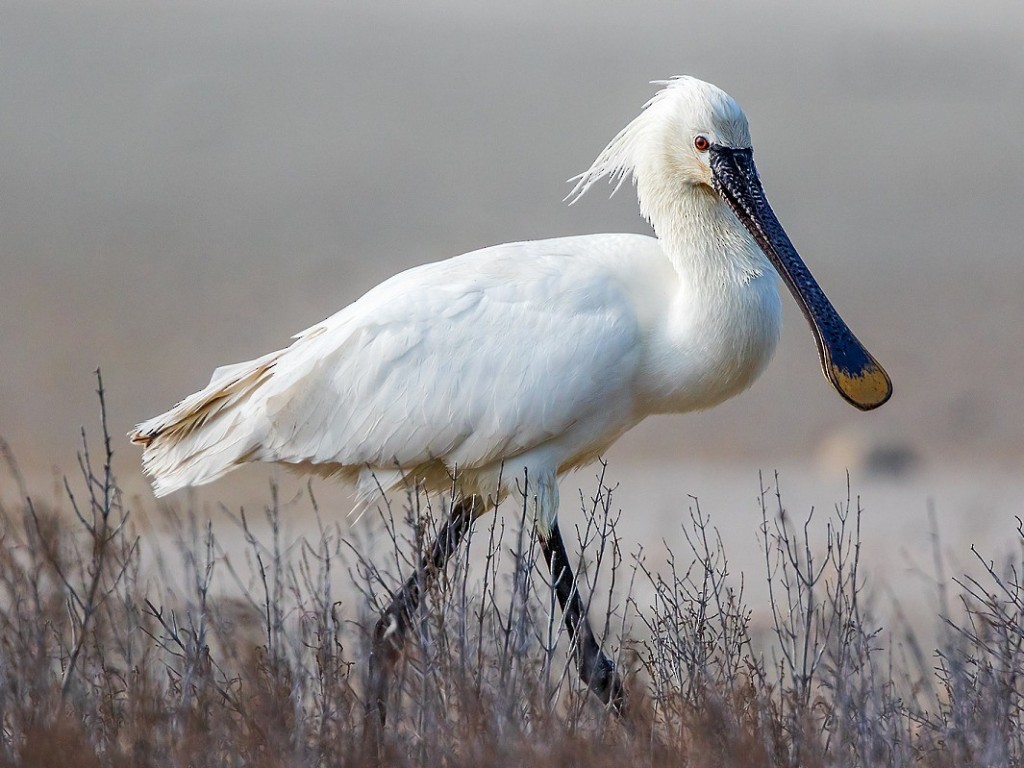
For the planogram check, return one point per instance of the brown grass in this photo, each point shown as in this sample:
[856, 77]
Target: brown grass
[105, 663]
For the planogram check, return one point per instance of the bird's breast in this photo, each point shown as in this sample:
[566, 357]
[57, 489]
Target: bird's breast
[711, 344]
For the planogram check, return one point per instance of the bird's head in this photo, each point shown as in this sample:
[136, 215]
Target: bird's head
[668, 146]
[692, 142]
[681, 126]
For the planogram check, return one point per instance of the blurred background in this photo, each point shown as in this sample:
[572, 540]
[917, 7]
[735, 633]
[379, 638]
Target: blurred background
[185, 185]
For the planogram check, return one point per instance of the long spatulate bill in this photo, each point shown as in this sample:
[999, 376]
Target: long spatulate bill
[851, 369]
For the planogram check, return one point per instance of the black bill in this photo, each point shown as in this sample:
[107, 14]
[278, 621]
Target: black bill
[854, 373]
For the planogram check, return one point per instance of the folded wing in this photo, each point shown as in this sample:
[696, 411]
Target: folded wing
[467, 361]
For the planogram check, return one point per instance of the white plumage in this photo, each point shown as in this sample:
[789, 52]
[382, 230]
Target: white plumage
[531, 356]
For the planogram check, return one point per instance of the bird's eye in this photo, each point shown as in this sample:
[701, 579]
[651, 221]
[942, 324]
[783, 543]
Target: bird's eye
[702, 143]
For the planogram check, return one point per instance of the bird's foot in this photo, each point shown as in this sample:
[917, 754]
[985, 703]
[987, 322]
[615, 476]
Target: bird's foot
[388, 641]
[601, 677]
[385, 649]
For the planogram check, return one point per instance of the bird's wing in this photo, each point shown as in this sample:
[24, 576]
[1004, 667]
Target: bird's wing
[470, 360]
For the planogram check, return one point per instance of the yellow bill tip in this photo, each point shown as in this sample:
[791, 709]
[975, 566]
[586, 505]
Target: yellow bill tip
[866, 389]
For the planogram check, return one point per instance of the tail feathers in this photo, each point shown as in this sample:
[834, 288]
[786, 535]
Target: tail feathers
[208, 433]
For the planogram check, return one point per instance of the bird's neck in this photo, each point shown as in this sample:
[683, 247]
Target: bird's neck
[702, 237]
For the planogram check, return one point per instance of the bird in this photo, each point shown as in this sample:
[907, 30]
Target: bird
[507, 367]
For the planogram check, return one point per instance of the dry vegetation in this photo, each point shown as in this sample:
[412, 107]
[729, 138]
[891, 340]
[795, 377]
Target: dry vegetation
[209, 663]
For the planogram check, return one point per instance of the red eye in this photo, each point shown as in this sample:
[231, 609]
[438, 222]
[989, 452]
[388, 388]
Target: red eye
[702, 143]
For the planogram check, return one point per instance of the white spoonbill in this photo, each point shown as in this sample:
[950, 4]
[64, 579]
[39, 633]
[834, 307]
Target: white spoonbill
[530, 359]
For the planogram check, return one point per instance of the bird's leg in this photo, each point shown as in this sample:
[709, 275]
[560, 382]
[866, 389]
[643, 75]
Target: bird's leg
[596, 669]
[389, 634]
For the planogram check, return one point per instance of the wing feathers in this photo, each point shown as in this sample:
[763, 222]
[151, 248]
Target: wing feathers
[462, 363]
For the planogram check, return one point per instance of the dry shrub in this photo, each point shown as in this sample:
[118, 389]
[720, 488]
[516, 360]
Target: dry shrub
[259, 664]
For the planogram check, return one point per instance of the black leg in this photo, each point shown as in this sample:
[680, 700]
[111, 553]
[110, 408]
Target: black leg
[596, 669]
[389, 634]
